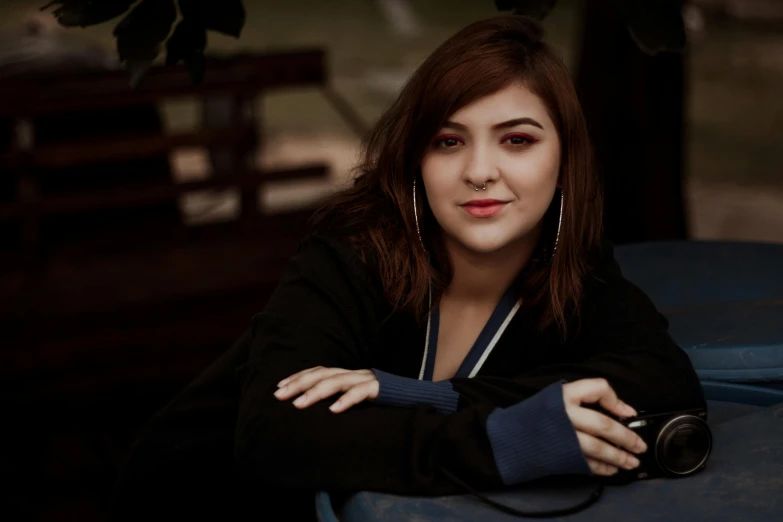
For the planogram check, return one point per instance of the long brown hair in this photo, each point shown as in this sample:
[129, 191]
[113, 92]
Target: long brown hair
[377, 213]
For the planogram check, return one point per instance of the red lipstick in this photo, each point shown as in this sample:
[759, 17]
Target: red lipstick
[484, 207]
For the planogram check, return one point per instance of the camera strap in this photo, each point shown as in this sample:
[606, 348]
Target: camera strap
[595, 494]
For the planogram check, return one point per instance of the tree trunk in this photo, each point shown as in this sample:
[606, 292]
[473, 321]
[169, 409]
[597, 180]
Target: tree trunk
[634, 105]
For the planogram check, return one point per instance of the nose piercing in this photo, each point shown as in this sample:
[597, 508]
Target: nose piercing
[483, 187]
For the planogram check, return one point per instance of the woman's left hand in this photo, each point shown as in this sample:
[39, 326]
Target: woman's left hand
[316, 384]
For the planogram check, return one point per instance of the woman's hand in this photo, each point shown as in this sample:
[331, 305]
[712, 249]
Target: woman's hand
[599, 435]
[320, 383]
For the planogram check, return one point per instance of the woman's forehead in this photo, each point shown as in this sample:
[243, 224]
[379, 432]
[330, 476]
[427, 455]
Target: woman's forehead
[511, 102]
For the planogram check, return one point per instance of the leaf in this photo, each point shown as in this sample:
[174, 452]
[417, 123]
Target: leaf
[537, 9]
[138, 70]
[83, 13]
[188, 38]
[196, 64]
[140, 34]
[655, 26]
[187, 44]
[223, 16]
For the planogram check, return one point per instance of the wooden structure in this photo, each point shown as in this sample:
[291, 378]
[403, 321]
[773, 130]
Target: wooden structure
[635, 107]
[126, 318]
[170, 266]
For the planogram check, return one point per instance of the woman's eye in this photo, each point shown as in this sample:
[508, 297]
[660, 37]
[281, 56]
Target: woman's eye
[519, 139]
[447, 143]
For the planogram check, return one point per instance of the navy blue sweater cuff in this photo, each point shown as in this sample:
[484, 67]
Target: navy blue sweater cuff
[535, 438]
[406, 392]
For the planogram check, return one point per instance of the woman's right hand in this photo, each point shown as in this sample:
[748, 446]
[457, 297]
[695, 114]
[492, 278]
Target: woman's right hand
[606, 444]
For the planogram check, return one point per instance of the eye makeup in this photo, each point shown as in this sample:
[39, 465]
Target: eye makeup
[440, 141]
[526, 138]
[514, 138]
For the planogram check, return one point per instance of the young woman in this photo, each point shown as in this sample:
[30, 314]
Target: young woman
[456, 313]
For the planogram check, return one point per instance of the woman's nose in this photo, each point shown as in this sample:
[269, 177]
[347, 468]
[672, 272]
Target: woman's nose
[480, 169]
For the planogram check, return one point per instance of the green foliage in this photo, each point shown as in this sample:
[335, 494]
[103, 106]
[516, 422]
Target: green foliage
[83, 13]
[148, 25]
[140, 34]
[656, 26]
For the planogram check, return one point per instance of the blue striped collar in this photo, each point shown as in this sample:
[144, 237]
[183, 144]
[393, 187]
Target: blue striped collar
[501, 317]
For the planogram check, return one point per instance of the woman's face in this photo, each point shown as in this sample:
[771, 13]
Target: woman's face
[508, 142]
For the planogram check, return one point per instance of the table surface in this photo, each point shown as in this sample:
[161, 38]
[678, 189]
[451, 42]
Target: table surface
[678, 274]
[723, 300]
[743, 482]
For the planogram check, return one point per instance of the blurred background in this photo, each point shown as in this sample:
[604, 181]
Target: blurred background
[140, 230]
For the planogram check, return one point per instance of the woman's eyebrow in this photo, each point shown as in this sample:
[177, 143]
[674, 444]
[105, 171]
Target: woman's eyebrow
[502, 125]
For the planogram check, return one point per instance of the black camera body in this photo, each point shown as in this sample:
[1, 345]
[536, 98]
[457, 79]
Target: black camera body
[678, 444]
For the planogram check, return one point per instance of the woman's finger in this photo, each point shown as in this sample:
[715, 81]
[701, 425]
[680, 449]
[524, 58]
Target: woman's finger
[612, 404]
[590, 391]
[310, 375]
[358, 393]
[597, 449]
[601, 468]
[297, 375]
[306, 381]
[602, 426]
[327, 387]
[628, 409]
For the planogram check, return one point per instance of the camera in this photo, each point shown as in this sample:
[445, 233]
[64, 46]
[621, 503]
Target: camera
[678, 444]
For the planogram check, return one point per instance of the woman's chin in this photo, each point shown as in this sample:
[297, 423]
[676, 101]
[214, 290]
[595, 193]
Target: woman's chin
[485, 245]
[490, 241]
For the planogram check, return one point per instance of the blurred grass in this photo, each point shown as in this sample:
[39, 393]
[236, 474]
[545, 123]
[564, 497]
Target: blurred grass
[735, 106]
[735, 110]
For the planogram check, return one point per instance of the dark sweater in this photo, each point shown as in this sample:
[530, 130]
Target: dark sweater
[226, 440]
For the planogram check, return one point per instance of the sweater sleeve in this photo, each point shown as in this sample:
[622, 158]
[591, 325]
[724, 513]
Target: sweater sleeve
[522, 450]
[622, 338]
[394, 390]
[321, 314]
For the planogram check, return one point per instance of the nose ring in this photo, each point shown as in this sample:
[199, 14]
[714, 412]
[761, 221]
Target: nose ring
[483, 187]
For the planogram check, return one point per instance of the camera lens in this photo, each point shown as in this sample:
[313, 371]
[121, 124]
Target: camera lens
[683, 445]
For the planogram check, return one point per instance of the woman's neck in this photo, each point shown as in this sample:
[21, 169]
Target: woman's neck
[484, 278]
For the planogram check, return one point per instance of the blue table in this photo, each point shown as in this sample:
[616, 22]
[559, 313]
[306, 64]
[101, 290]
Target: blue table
[723, 300]
[743, 481]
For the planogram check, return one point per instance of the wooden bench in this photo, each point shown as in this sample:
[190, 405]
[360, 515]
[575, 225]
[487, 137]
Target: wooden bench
[101, 328]
[72, 304]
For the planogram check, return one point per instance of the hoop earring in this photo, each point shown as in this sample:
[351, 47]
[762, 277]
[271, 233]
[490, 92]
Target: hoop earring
[559, 223]
[416, 216]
